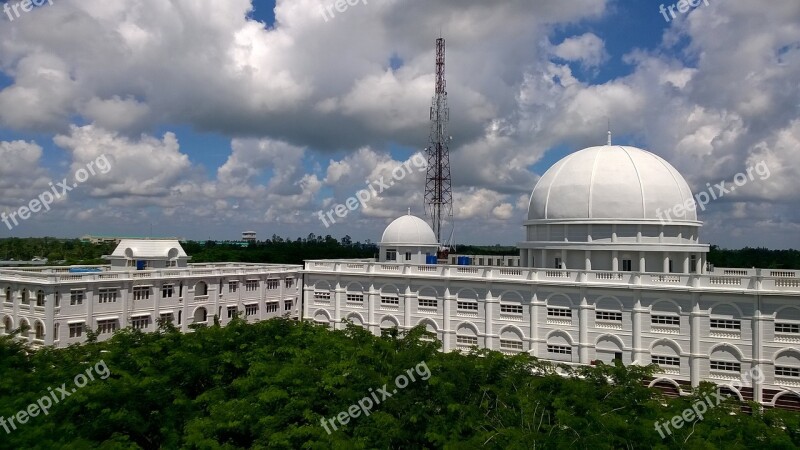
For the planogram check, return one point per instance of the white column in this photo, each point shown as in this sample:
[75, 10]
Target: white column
[583, 326]
[638, 353]
[686, 263]
[758, 350]
[371, 325]
[642, 265]
[447, 301]
[666, 262]
[488, 323]
[49, 315]
[588, 256]
[338, 293]
[408, 298]
[615, 260]
[534, 314]
[695, 358]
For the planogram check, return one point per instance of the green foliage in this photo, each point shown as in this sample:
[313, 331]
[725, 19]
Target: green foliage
[760, 258]
[269, 385]
[280, 251]
[57, 251]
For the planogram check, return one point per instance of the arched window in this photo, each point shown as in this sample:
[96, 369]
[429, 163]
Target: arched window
[39, 330]
[40, 298]
[8, 295]
[24, 328]
[200, 289]
[200, 315]
[8, 325]
[24, 296]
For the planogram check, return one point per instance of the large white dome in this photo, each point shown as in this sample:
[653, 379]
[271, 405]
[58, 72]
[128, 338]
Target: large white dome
[409, 230]
[610, 182]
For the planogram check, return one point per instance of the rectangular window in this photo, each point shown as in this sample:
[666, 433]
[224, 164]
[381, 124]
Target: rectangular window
[671, 361]
[665, 320]
[167, 317]
[272, 307]
[693, 263]
[781, 371]
[167, 291]
[233, 286]
[107, 326]
[289, 282]
[273, 283]
[558, 263]
[726, 324]
[251, 285]
[559, 312]
[467, 340]
[76, 329]
[467, 306]
[726, 366]
[355, 298]
[608, 315]
[322, 295]
[511, 309]
[793, 328]
[232, 312]
[250, 310]
[389, 300]
[106, 295]
[76, 297]
[140, 323]
[428, 303]
[141, 292]
[510, 344]
[287, 305]
[408, 256]
[391, 255]
[627, 265]
[559, 349]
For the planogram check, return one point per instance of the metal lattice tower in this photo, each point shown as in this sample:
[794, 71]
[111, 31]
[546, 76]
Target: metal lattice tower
[438, 190]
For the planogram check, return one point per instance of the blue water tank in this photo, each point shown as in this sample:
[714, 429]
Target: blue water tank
[462, 261]
[430, 259]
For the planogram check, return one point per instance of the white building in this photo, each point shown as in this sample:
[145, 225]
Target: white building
[248, 236]
[602, 278]
[146, 280]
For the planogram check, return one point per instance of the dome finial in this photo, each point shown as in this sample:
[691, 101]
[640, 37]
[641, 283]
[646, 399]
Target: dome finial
[409, 210]
[609, 132]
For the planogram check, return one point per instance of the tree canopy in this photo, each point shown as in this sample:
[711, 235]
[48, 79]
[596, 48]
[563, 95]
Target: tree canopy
[270, 384]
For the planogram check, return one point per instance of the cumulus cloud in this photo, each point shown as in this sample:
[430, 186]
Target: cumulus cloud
[315, 110]
[587, 49]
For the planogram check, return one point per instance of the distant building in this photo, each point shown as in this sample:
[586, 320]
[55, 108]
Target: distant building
[116, 239]
[249, 236]
[145, 280]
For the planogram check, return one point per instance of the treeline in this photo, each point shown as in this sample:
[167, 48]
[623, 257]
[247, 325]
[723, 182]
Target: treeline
[281, 251]
[275, 383]
[57, 251]
[287, 251]
[760, 258]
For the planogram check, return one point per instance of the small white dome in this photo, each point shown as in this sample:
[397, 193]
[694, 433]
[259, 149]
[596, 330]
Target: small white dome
[610, 182]
[409, 230]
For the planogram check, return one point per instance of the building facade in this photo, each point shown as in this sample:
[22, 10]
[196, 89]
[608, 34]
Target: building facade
[146, 280]
[603, 279]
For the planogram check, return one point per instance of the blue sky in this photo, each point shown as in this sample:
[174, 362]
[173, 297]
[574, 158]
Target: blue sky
[219, 118]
